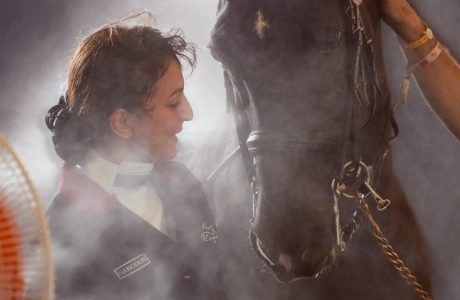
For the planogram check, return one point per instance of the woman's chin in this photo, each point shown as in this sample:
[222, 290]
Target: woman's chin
[167, 154]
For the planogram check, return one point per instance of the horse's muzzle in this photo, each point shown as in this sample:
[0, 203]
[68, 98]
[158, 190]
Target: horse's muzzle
[287, 267]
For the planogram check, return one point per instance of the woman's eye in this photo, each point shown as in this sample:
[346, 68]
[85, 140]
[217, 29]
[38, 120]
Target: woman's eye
[174, 104]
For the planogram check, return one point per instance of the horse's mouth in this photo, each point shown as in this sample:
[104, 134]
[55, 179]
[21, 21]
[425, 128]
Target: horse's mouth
[303, 270]
[287, 268]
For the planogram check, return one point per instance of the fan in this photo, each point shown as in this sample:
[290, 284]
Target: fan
[26, 270]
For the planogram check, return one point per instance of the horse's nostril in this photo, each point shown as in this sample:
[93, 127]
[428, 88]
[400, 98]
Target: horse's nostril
[285, 261]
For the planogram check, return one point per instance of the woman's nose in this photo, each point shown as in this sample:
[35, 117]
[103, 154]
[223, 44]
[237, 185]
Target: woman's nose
[186, 111]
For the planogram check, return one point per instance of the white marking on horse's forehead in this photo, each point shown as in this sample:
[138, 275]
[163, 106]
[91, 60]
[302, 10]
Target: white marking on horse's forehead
[261, 24]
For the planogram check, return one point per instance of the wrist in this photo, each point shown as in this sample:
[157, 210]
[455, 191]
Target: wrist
[414, 55]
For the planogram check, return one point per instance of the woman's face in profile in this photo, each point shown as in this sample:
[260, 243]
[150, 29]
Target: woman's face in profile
[163, 115]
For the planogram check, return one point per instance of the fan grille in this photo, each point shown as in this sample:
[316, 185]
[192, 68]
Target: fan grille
[25, 262]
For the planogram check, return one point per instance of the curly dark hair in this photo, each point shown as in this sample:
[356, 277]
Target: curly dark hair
[116, 66]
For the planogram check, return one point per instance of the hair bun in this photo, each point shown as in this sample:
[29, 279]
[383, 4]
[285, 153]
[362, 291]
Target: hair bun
[58, 111]
[70, 135]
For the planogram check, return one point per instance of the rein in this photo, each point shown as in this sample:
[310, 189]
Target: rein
[356, 181]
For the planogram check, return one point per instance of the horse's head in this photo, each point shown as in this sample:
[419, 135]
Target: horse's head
[290, 69]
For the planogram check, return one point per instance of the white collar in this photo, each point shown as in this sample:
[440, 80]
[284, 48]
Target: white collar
[103, 171]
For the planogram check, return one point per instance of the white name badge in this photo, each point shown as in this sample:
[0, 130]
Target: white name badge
[132, 266]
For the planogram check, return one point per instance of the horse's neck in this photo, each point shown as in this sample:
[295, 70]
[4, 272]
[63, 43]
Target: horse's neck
[219, 141]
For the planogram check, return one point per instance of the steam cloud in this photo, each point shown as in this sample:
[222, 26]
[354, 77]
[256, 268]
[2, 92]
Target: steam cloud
[38, 38]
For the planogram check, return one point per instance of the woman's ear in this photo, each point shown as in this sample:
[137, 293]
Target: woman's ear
[121, 124]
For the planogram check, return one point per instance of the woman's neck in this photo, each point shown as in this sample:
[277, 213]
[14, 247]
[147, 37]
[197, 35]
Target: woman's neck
[117, 152]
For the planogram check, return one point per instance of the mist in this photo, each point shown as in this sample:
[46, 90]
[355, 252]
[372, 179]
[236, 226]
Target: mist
[38, 38]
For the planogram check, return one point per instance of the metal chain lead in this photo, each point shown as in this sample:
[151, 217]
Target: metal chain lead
[393, 257]
[360, 195]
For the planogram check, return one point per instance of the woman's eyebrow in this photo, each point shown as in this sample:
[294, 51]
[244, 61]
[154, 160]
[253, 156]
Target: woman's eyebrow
[176, 91]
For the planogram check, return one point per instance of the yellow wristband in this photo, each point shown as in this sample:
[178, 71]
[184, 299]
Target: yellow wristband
[426, 36]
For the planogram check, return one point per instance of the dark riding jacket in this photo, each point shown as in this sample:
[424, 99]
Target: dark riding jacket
[102, 250]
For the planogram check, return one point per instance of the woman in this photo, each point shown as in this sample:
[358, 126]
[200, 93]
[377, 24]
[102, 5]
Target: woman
[127, 223]
[439, 78]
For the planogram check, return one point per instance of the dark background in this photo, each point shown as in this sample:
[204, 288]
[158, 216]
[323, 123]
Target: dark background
[37, 38]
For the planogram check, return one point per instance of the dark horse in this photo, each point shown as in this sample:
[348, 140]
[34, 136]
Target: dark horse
[306, 83]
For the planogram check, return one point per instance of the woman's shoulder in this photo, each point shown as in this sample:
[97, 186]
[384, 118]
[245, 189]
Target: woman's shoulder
[59, 204]
[61, 215]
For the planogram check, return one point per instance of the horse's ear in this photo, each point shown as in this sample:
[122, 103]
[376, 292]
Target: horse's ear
[220, 4]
